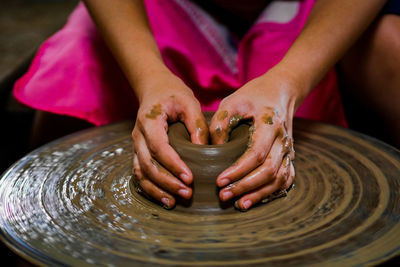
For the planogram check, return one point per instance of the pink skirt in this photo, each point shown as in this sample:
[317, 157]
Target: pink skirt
[74, 74]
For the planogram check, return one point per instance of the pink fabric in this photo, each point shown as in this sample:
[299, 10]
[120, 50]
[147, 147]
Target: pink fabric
[74, 74]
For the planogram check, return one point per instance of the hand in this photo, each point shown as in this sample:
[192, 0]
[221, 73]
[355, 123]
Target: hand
[266, 166]
[157, 168]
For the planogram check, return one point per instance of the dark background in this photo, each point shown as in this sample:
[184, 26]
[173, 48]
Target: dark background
[24, 25]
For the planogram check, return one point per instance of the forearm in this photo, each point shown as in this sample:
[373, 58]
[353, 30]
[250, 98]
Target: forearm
[125, 28]
[331, 29]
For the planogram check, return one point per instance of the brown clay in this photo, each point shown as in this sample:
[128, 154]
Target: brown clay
[206, 162]
[154, 112]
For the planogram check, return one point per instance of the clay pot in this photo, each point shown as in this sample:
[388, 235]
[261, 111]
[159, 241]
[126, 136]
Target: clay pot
[206, 162]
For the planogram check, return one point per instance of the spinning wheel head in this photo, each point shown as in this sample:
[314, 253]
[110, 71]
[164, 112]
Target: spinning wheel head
[70, 203]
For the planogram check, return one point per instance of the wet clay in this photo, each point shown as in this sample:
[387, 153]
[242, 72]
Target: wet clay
[268, 117]
[70, 203]
[154, 112]
[206, 162]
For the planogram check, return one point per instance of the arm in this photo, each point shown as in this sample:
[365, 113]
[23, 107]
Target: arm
[331, 29]
[158, 169]
[272, 99]
[124, 26]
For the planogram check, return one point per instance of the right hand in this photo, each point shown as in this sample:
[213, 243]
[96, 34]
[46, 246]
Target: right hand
[158, 169]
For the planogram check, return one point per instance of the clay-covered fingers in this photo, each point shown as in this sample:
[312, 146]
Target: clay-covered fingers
[219, 127]
[156, 143]
[155, 179]
[145, 186]
[290, 178]
[275, 182]
[264, 132]
[152, 165]
[264, 168]
[288, 147]
[284, 178]
[261, 175]
[196, 124]
[222, 123]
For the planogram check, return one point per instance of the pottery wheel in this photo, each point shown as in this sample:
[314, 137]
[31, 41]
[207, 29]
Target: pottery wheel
[70, 203]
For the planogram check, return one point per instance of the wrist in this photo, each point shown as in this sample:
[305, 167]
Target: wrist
[296, 84]
[147, 79]
[159, 84]
[145, 69]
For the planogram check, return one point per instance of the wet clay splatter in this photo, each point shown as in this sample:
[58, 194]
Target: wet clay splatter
[233, 122]
[154, 112]
[279, 132]
[222, 115]
[286, 161]
[201, 127]
[287, 143]
[268, 117]
[218, 131]
[249, 145]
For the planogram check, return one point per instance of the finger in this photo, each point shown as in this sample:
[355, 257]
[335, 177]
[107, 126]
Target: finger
[267, 192]
[158, 174]
[284, 171]
[218, 127]
[150, 188]
[291, 177]
[288, 141]
[222, 123]
[136, 166]
[256, 196]
[156, 140]
[264, 193]
[196, 124]
[260, 176]
[261, 142]
[157, 193]
[163, 178]
[289, 126]
[287, 146]
[264, 174]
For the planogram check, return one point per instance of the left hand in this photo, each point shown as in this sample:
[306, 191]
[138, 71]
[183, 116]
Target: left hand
[266, 166]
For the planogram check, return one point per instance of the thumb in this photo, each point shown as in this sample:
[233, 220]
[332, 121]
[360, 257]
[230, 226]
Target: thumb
[219, 127]
[197, 126]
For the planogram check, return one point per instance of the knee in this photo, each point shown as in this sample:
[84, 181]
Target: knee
[387, 31]
[383, 47]
[376, 55]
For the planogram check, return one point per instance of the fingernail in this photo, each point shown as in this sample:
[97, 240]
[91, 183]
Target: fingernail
[183, 192]
[185, 177]
[247, 204]
[166, 201]
[227, 195]
[223, 182]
